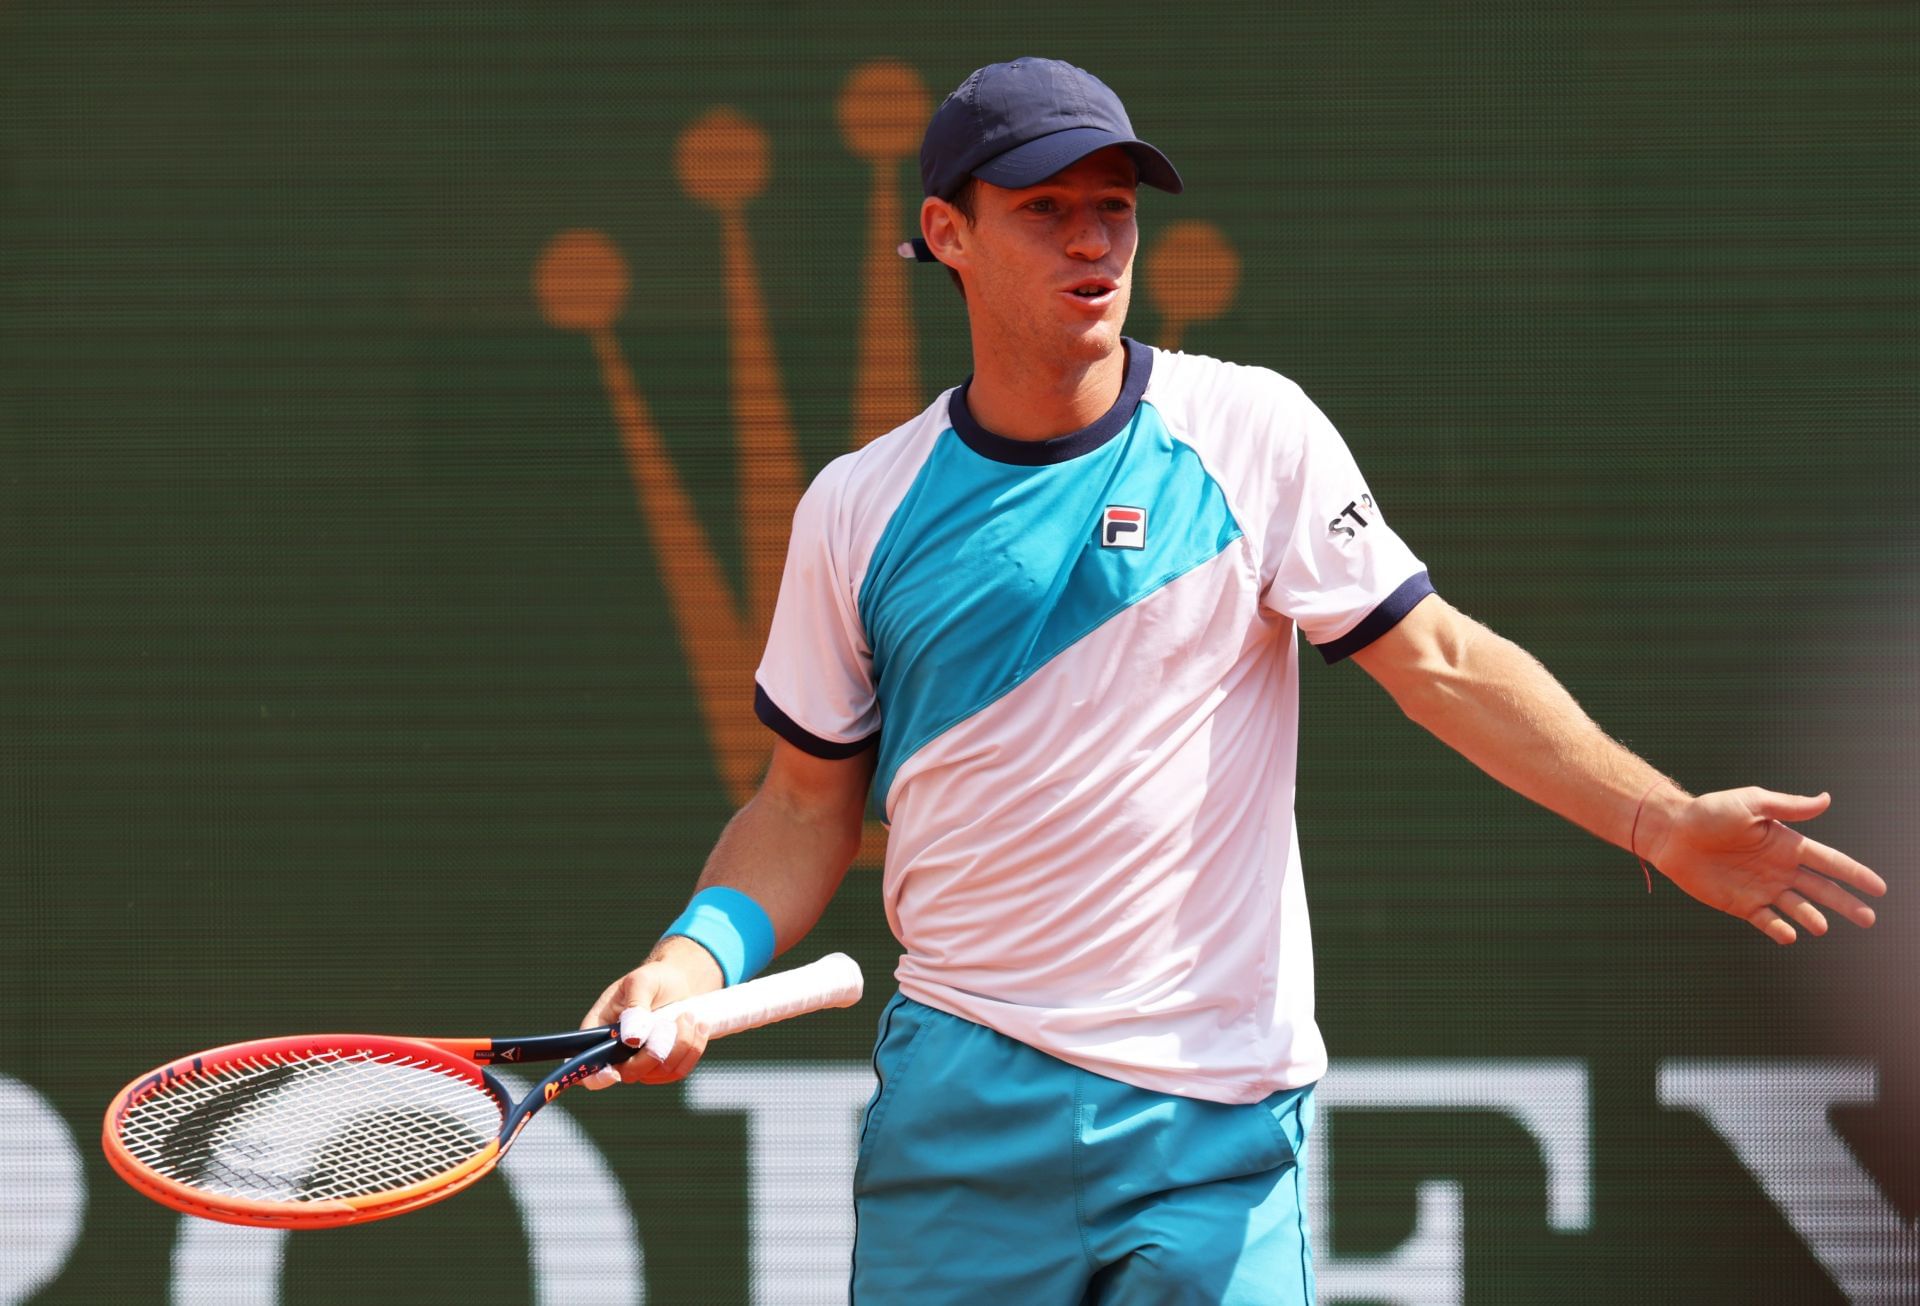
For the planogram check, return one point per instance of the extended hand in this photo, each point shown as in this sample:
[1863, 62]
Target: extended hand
[1730, 850]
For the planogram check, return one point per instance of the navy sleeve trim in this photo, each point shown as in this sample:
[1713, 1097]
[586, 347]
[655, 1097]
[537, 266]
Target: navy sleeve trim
[802, 738]
[1381, 620]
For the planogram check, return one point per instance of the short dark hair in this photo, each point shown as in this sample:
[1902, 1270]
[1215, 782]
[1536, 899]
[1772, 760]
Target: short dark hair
[962, 201]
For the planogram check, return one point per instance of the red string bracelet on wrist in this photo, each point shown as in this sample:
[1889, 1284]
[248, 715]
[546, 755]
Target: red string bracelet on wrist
[1633, 837]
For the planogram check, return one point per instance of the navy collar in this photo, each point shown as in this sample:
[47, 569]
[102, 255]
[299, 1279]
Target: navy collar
[1036, 453]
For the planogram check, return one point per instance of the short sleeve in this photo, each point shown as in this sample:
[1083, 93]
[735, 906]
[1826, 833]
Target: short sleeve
[814, 687]
[1331, 562]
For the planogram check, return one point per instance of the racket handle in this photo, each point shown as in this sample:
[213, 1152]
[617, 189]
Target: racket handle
[832, 981]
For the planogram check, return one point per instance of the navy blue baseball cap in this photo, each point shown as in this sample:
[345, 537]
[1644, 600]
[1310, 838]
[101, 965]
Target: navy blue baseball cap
[1016, 124]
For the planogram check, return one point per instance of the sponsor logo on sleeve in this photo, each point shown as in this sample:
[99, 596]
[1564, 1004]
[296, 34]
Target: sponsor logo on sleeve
[1352, 519]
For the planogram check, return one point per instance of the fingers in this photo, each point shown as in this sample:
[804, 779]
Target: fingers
[634, 989]
[637, 988]
[1797, 909]
[1836, 865]
[638, 1025]
[689, 1044]
[1833, 897]
[1787, 807]
[1791, 907]
[1830, 862]
[596, 1013]
[668, 1052]
[1771, 924]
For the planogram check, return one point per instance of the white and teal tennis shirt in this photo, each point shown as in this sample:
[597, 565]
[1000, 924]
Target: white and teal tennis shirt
[1077, 660]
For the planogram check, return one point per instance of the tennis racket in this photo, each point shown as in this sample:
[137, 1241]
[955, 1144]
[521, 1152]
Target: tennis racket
[329, 1129]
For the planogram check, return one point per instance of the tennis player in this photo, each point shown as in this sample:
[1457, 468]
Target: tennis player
[1048, 628]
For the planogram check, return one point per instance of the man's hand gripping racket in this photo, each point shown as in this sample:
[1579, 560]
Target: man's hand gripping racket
[330, 1129]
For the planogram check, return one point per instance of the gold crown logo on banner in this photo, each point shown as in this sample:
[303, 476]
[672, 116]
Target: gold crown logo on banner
[722, 164]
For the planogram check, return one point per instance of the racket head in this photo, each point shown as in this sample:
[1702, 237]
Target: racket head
[308, 1132]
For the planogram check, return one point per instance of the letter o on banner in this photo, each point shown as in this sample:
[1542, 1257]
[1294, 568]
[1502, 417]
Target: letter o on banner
[43, 1192]
[582, 1243]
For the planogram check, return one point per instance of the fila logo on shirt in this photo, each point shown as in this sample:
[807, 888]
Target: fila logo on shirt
[1123, 528]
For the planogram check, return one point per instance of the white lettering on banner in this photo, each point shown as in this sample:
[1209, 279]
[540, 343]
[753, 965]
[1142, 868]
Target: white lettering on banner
[43, 1192]
[802, 1123]
[225, 1264]
[1776, 1114]
[581, 1238]
[582, 1244]
[1551, 1100]
[802, 1133]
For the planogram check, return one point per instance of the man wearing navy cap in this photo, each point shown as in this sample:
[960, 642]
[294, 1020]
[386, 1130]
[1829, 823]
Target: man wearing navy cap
[1048, 628]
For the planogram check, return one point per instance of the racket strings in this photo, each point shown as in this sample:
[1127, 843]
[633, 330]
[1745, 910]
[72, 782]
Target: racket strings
[312, 1128]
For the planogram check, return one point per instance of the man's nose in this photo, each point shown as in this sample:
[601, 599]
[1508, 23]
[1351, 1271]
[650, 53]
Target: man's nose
[1087, 235]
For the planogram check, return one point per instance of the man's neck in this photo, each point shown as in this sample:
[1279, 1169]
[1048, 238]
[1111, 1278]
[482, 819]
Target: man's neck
[1025, 402]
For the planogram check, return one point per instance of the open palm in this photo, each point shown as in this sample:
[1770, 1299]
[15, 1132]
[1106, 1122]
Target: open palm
[1730, 850]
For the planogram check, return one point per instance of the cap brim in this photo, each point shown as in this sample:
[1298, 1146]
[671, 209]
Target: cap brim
[1034, 162]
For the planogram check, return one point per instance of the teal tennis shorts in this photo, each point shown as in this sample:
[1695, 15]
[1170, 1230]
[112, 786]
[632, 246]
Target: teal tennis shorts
[991, 1174]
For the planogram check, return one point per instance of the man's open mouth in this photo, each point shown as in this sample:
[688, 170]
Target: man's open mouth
[1093, 293]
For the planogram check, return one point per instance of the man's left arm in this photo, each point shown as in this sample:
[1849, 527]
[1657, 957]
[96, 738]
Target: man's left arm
[1492, 702]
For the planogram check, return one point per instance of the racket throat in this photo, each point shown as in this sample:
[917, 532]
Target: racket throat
[605, 1052]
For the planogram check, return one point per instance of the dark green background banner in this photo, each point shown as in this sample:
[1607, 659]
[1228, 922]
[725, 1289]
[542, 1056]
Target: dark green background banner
[346, 677]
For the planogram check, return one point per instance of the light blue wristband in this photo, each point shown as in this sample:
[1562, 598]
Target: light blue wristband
[731, 926]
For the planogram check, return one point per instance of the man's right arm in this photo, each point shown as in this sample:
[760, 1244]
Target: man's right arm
[788, 850]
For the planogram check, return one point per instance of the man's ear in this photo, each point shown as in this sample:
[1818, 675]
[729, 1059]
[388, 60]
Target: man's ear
[945, 231]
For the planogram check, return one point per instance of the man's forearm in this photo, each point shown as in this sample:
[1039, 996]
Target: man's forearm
[788, 860]
[787, 849]
[1493, 703]
[1496, 705]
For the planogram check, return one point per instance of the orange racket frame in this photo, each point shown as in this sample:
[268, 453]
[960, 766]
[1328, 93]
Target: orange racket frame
[463, 1058]
[832, 981]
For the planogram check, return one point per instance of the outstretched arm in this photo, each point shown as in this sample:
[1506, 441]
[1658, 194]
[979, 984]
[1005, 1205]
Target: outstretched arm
[1492, 702]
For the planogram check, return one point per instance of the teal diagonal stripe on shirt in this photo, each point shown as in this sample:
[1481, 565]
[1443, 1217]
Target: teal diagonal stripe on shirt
[988, 570]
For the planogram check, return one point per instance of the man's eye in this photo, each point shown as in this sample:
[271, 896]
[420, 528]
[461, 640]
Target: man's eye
[1041, 206]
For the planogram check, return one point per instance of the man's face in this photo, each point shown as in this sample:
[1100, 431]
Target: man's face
[1049, 268]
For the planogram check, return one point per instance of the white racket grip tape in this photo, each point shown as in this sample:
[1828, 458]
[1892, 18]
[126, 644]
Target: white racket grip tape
[832, 981]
